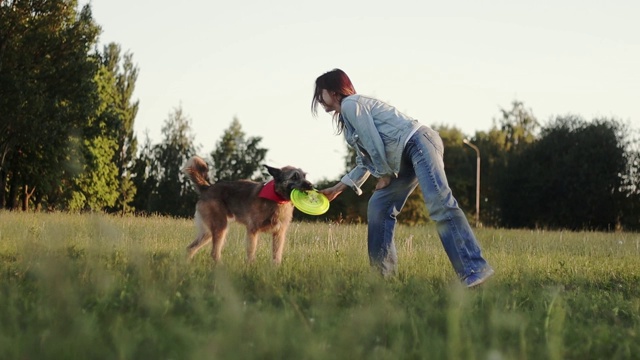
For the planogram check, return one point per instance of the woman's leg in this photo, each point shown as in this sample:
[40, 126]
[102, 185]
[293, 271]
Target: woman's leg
[384, 205]
[425, 149]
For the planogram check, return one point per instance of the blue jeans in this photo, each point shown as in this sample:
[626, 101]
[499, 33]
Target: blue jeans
[422, 163]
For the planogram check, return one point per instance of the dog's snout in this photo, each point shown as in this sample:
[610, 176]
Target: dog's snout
[307, 185]
[302, 185]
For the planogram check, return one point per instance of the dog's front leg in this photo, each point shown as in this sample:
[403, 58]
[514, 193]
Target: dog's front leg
[252, 244]
[278, 246]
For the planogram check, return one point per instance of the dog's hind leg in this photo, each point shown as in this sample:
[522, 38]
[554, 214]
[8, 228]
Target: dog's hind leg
[219, 237]
[201, 240]
[218, 227]
[252, 243]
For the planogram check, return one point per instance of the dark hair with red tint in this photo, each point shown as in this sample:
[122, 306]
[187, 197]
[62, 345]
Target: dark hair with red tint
[337, 82]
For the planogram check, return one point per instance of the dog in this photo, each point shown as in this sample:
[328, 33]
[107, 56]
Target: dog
[259, 207]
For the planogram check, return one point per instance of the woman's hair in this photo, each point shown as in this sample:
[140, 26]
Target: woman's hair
[334, 81]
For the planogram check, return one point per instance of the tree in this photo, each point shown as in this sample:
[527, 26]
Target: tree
[174, 194]
[630, 218]
[518, 125]
[510, 135]
[235, 158]
[570, 178]
[123, 78]
[96, 186]
[109, 145]
[145, 175]
[46, 94]
[459, 165]
[493, 167]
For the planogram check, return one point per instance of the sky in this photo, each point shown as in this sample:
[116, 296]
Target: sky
[454, 63]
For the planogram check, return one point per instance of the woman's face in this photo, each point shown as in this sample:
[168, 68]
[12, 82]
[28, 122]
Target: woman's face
[330, 102]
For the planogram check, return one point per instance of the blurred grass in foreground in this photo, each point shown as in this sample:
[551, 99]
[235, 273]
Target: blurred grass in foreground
[102, 287]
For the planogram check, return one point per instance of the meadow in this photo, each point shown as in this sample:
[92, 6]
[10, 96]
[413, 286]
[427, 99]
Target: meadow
[107, 287]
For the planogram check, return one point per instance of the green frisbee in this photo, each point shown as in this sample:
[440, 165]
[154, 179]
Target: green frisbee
[310, 202]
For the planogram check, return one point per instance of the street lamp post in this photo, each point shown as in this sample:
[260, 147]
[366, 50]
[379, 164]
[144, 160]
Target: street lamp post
[477, 179]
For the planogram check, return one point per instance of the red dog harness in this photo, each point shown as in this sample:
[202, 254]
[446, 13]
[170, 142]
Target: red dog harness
[268, 191]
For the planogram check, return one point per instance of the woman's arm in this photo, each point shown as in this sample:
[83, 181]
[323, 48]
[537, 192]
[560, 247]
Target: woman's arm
[333, 192]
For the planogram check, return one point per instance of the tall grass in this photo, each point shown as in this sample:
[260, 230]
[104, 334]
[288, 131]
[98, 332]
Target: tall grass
[95, 286]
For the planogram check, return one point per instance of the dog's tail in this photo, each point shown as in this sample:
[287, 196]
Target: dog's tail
[198, 171]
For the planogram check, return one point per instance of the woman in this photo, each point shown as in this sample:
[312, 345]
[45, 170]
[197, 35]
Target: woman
[401, 153]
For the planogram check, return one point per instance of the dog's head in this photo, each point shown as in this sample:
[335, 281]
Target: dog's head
[289, 178]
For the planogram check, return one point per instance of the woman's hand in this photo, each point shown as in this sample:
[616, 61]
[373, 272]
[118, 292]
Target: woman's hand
[333, 192]
[383, 182]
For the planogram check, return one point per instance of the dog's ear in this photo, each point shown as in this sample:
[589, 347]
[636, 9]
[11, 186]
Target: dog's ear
[275, 172]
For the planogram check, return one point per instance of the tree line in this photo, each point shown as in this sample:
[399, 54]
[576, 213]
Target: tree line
[67, 144]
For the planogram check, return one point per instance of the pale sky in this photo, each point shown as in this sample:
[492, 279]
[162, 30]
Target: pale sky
[455, 63]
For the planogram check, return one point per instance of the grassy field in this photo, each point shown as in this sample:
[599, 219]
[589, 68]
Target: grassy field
[101, 287]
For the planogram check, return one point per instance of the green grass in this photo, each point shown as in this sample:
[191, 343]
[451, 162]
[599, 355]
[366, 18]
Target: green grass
[101, 287]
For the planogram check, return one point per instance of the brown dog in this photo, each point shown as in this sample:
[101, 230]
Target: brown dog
[260, 207]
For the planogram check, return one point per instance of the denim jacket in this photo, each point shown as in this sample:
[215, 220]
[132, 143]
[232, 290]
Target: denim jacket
[378, 132]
